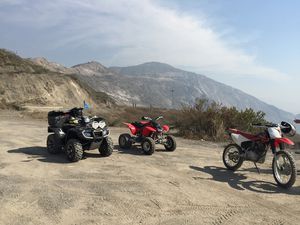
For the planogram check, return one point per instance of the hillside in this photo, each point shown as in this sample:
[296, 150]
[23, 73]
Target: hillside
[25, 84]
[162, 85]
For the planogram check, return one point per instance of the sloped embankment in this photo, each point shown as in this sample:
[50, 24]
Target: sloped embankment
[24, 83]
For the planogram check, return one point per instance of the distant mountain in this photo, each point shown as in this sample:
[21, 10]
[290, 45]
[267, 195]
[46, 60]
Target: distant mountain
[162, 85]
[188, 86]
[52, 66]
[91, 69]
[145, 68]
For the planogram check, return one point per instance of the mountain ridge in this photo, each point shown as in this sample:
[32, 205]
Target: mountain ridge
[162, 85]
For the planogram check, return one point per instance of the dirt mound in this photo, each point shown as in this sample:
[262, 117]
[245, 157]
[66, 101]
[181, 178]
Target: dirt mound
[24, 83]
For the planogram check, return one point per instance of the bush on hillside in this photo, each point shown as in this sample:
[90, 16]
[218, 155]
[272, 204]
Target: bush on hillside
[209, 120]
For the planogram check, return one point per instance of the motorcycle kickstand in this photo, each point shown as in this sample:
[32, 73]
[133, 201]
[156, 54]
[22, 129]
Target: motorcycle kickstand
[258, 170]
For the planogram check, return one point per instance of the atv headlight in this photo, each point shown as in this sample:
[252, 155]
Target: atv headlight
[102, 124]
[95, 125]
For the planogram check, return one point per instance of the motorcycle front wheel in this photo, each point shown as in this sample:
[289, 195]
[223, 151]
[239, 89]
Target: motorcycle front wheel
[284, 169]
[232, 157]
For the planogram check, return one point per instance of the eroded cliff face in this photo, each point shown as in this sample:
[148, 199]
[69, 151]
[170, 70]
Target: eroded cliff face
[42, 89]
[24, 83]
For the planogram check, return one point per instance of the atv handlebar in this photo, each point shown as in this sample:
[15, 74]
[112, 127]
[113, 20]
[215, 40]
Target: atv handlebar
[158, 118]
[146, 118]
[150, 119]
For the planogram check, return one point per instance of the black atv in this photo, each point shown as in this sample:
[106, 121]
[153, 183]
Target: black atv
[73, 133]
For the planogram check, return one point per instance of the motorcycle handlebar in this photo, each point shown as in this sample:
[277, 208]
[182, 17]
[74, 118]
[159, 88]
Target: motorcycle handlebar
[264, 125]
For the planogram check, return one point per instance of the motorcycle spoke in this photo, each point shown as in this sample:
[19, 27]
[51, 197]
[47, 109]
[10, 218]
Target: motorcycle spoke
[232, 156]
[283, 169]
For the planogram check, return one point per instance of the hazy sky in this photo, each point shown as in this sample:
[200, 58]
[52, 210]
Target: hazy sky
[252, 45]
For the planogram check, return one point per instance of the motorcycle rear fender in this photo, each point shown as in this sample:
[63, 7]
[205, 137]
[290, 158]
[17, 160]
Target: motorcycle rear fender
[132, 128]
[165, 128]
[147, 131]
[283, 140]
[238, 139]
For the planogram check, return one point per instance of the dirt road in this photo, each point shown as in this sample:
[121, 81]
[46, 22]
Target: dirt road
[188, 186]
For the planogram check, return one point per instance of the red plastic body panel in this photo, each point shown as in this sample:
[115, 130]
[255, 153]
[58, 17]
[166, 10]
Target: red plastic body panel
[132, 128]
[147, 131]
[165, 128]
[283, 140]
[246, 135]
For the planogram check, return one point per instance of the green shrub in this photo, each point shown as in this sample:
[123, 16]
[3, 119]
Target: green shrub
[209, 120]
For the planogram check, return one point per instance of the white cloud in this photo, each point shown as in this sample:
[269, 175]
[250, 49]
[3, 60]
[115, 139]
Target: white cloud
[137, 31]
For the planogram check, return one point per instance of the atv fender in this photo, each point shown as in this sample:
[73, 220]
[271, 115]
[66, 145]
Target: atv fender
[132, 128]
[72, 134]
[147, 131]
[165, 128]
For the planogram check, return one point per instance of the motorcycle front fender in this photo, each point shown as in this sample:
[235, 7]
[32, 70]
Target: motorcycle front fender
[283, 140]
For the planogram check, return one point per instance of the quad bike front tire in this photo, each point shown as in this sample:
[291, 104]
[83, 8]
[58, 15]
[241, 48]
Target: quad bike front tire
[148, 146]
[53, 144]
[232, 157]
[106, 148]
[170, 145]
[124, 141]
[284, 169]
[74, 150]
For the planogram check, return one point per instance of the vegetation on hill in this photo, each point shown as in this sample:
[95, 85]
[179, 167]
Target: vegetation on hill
[203, 120]
[209, 121]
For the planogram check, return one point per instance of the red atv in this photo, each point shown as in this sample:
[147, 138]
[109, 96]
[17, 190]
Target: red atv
[148, 132]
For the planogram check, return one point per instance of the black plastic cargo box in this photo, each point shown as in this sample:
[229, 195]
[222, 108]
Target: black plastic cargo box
[56, 119]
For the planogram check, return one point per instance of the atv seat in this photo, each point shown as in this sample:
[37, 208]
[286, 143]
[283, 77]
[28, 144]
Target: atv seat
[138, 124]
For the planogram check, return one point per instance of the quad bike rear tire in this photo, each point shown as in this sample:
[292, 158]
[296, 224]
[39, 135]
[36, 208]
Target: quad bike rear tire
[124, 141]
[148, 146]
[53, 144]
[74, 150]
[106, 148]
[171, 143]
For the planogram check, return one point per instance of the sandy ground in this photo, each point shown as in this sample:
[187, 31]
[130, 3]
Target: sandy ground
[188, 186]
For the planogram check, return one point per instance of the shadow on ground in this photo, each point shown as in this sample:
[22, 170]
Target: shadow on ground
[239, 181]
[134, 150]
[41, 154]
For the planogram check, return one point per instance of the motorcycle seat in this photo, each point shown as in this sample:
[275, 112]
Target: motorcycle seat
[246, 135]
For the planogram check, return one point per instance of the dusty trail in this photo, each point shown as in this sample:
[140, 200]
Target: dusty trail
[188, 186]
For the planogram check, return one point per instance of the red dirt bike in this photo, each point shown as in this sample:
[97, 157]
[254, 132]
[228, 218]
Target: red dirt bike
[148, 132]
[249, 147]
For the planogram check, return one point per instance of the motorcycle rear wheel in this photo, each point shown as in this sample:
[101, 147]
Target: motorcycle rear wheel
[284, 169]
[232, 157]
